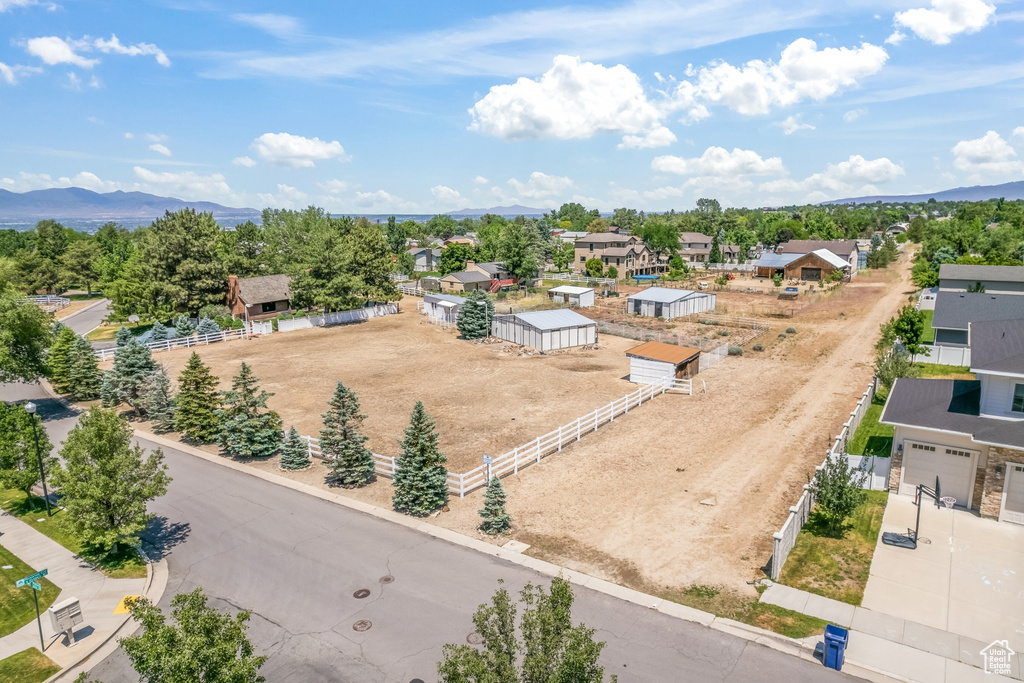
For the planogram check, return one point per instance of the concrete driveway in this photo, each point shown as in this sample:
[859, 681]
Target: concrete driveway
[968, 580]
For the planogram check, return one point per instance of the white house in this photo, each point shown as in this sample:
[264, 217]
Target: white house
[661, 302]
[427, 259]
[545, 330]
[572, 296]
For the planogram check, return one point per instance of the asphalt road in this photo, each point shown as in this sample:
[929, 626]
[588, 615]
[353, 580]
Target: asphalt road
[297, 563]
[85, 321]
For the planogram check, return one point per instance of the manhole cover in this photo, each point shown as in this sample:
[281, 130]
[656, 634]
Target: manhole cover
[387, 579]
[361, 625]
[475, 639]
[416, 680]
[361, 593]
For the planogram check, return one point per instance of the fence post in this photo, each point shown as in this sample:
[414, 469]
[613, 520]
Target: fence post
[559, 439]
[515, 460]
[578, 428]
[538, 449]
[309, 447]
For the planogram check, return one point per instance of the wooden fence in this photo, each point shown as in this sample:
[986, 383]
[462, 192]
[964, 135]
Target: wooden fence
[181, 342]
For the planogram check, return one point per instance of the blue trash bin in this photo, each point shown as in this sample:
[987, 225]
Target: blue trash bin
[836, 639]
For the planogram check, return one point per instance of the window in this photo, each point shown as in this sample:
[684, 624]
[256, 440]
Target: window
[591, 245]
[922, 447]
[583, 259]
[1018, 398]
[269, 308]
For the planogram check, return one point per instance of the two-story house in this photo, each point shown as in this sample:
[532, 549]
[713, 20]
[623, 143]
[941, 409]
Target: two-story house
[426, 258]
[954, 277]
[695, 247]
[627, 253]
[967, 433]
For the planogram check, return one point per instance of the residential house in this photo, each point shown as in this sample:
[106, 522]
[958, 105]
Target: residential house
[989, 279]
[253, 298]
[695, 247]
[627, 253]
[848, 250]
[427, 259]
[466, 281]
[955, 311]
[569, 235]
[967, 434]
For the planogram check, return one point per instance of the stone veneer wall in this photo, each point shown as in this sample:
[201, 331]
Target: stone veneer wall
[895, 469]
[992, 496]
[979, 489]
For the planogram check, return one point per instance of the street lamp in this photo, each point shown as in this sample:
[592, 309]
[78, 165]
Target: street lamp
[30, 408]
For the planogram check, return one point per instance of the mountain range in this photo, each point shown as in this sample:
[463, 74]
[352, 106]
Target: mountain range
[504, 211]
[81, 204]
[977, 193]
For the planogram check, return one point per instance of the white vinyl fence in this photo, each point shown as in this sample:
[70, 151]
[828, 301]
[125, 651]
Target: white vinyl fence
[260, 327]
[181, 342]
[411, 290]
[709, 358]
[50, 302]
[572, 277]
[336, 318]
[945, 355]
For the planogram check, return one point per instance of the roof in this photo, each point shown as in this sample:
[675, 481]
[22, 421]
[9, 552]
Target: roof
[830, 258]
[446, 298]
[570, 289]
[998, 346]
[618, 251]
[264, 289]
[770, 260]
[838, 247]
[695, 237]
[667, 353]
[553, 320]
[605, 237]
[469, 276]
[662, 294]
[951, 405]
[954, 310]
[953, 271]
[492, 267]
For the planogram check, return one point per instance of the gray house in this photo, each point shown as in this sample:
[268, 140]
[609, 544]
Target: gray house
[427, 259]
[954, 311]
[993, 279]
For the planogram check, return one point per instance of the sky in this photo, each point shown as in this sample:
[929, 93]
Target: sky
[427, 107]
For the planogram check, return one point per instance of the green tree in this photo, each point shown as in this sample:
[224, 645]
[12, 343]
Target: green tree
[894, 364]
[197, 402]
[613, 272]
[80, 263]
[324, 280]
[372, 263]
[294, 453]
[83, 371]
[421, 480]
[207, 326]
[594, 267]
[396, 236]
[517, 252]
[58, 360]
[836, 488]
[19, 458]
[715, 255]
[247, 428]
[342, 440]
[183, 326]
[563, 254]
[908, 326]
[157, 401]
[180, 261]
[133, 362]
[627, 219]
[442, 226]
[158, 332]
[123, 336]
[24, 338]
[548, 647]
[51, 239]
[495, 516]
[454, 257]
[475, 315]
[105, 482]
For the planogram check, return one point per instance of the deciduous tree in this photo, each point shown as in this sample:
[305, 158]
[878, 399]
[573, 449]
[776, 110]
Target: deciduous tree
[19, 458]
[836, 488]
[24, 338]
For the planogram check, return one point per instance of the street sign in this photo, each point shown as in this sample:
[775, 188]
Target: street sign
[30, 579]
[35, 585]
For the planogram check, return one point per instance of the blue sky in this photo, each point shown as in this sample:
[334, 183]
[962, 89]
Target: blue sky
[417, 107]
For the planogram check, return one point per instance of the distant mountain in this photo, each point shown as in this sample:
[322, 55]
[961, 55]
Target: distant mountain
[505, 211]
[86, 205]
[978, 193]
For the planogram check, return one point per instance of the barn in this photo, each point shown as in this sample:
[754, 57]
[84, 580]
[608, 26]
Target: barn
[442, 306]
[816, 266]
[545, 330]
[662, 302]
[653, 362]
[572, 296]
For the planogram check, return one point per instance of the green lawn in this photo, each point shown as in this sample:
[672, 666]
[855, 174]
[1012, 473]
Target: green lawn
[837, 568]
[17, 606]
[27, 666]
[730, 604]
[932, 371]
[872, 438]
[109, 332]
[929, 332]
[125, 565]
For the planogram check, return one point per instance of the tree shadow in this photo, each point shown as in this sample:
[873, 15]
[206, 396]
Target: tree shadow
[817, 525]
[51, 409]
[878, 445]
[162, 535]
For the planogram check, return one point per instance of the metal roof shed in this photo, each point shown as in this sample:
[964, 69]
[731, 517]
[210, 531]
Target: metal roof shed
[442, 306]
[545, 330]
[574, 296]
[661, 302]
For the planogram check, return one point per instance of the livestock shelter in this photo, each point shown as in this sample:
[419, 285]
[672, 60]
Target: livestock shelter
[771, 263]
[662, 302]
[442, 306]
[816, 266]
[653, 362]
[545, 330]
[573, 296]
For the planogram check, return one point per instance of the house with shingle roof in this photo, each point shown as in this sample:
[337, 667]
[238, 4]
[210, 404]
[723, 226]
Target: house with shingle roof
[253, 298]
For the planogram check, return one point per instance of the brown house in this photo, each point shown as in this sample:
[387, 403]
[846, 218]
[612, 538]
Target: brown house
[254, 298]
[465, 281]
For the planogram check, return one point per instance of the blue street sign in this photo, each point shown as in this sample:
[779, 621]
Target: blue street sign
[29, 579]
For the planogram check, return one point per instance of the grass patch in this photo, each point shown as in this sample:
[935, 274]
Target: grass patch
[109, 332]
[126, 564]
[932, 371]
[928, 337]
[837, 568]
[27, 666]
[872, 438]
[17, 606]
[730, 604]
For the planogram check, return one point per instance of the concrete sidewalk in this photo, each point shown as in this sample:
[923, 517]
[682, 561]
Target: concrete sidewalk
[100, 595]
[880, 642]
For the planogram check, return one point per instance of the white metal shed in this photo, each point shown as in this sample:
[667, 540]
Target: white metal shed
[573, 296]
[546, 330]
[442, 306]
[653, 362]
[661, 302]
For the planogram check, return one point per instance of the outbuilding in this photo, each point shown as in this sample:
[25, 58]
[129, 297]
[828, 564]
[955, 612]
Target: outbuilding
[442, 306]
[816, 266]
[771, 263]
[545, 330]
[661, 302]
[653, 362]
[572, 296]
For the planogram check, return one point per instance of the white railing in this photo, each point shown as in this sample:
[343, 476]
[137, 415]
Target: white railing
[572, 277]
[411, 290]
[709, 358]
[945, 355]
[50, 302]
[181, 342]
[398, 277]
[338, 318]
[684, 386]
[260, 327]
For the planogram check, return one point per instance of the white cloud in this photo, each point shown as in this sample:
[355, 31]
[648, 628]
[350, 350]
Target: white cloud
[244, 161]
[53, 50]
[383, 201]
[42, 181]
[480, 180]
[116, 47]
[986, 156]
[129, 136]
[446, 195]
[946, 18]
[717, 161]
[333, 187]
[541, 185]
[659, 137]
[792, 124]
[846, 176]
[278, 25]
[74, 82]
[572, 100]
[1018, 132]
[6, 5]
[896, 38]
[7, 74]
[94, 82]
[286, 197]
[160, 149]
[854, 114]
[186, 184]
[156, 137]
[285, 149]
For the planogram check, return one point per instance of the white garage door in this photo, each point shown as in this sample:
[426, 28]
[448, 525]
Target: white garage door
[1013, 495]
[922, 462]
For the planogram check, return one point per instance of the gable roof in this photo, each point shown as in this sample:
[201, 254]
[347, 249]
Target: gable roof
[997, 346]
[264, 289]
[662, 294]
[493, 268]
[443, 298]
[772, 260]
[695, 237]
[553, 320]
[842, 248]
[605, 237]
[571, 289]
[829, 258]
[466, 276]
[954, 271]
[955, 310]
[667, 353]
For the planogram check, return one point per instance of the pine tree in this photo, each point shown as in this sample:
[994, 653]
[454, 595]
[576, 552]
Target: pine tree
[421, 480]
[158, 332]
[157, 402]
[183, 326]
[58, 359]
[124, 335]
[207, 326]
[132, 364]
[343, 442]
[197, 401]
[107, 389]
[475, 315]
[294, 454]
[247, 428]
[83, 371]
[496, 518]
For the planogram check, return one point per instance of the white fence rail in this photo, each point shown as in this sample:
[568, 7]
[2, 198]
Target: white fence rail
[339, 318]
[411, 290]
[260, 327]
[945, 355]
[50, 302]
[181, 342]
[709, 358]
[572, 277]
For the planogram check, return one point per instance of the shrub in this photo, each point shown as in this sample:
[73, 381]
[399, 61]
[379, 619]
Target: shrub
[735, 350]
[757, 347]
[723, 333]
[782, 335]
[790, 330]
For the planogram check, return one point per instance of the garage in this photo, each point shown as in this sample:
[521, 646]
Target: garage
[545, 330]
[810, 274]
[955, 468]
[1013, 495]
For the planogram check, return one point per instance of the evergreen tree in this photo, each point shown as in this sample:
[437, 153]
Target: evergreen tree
[183, 326]
[475, 314]
[195, 415]
[247, 428]
[421, 480]
[343, 442]
[132, 364]
[496, 518]
[715, 255]
[158, 332]
[207, 326]
[179, 261]
[59, 357]
[294, 454]
[124, 335]
[107, 389]
[83, 371]
[157, 402]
